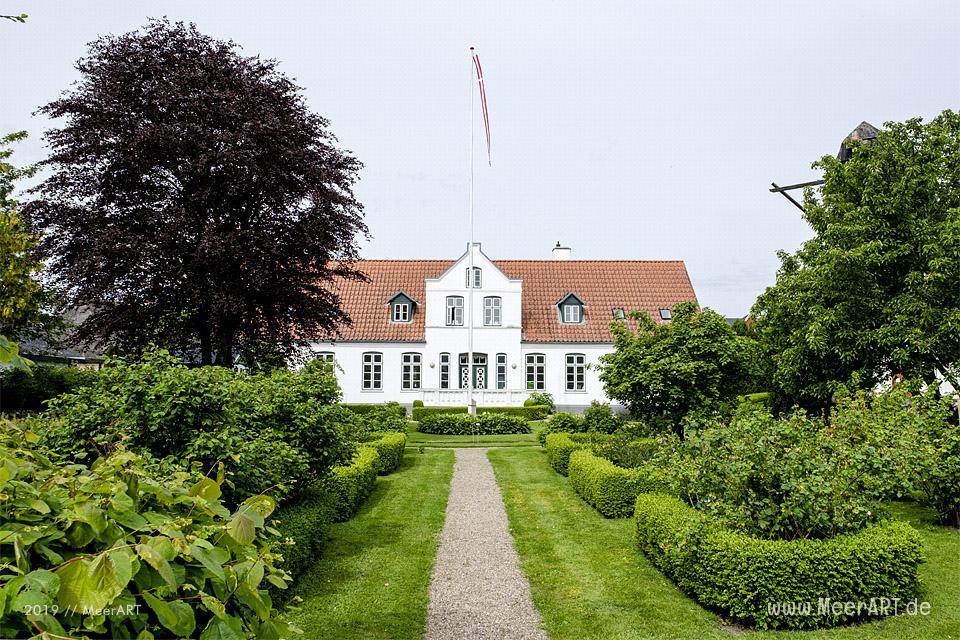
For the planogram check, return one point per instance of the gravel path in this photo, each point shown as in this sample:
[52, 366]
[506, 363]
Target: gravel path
[477, 590]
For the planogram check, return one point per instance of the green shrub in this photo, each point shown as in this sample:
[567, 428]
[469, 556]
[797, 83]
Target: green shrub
[390, 448]
[418, 403]
[540, 398]
[610, 489]
[559, 446]
[562, 422]
[537, 412]
[306, 520]
[742, 575]
[394, 408]
[134, 534]
[626, 451]
[600, 417]
[483, 424]
[349, 485]
[29, 389]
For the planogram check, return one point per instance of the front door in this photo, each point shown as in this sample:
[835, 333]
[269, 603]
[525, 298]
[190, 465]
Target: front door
[479, 371]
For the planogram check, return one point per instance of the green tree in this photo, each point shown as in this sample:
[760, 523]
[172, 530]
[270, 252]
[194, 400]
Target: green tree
[695, 362]
[876, 291]
[20, 293]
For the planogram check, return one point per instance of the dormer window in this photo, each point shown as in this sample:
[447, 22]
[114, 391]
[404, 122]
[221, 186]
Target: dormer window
[619, 314]
[477, 278]
[665, 314]
[571, 309]
[401, 308]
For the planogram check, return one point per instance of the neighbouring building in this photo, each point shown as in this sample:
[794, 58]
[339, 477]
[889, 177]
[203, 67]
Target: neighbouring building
[539, 325]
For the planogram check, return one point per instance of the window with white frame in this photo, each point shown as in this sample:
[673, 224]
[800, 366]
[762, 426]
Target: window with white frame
[491, 311]
[401, 312]
[372, 371]
[501, 371]
[576, 372]
[444, 370]
[619, 314]
[536, 371]
[454, 311]
[410, 372]
[477, 278]
[572, 313]
[326, 357]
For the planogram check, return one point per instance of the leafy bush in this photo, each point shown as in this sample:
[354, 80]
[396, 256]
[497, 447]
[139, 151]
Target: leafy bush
[610, 489]
[349, 485]
[540, 399]
[270, 430]
[390, 448]
[600, 417]
[741, 575]
[418, 403]
[306, 521]
[626, 451]
[29, 389]
[484, 424]
[537, 412]
[394, 408]
[562, 422]
[144, 538]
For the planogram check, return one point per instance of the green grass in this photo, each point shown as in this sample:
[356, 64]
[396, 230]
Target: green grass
[417, 439]
[374, 576]
[589, 581]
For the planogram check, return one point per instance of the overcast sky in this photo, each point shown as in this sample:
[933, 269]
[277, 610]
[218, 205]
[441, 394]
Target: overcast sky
[632, 130]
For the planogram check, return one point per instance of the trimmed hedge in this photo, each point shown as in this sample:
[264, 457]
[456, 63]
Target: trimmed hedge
[389, 446]
[392, 407]
[537, 412]
[741, 575]
[307, 521]
[349, 485]
[610, 489]
[559, 447]
[459, 424]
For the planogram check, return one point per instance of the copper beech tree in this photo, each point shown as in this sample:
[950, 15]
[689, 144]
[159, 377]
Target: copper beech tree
[193, 200]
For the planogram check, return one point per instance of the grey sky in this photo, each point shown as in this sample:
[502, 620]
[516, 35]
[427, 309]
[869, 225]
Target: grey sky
[625, 130]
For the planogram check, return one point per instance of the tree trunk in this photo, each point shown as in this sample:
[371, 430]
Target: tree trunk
[206, 349]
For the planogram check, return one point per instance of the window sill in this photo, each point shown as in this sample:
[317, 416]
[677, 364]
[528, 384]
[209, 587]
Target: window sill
[371, 390]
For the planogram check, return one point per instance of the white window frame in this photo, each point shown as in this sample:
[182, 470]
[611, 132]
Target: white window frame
[401, 312]
[492, 311]
[536, 372]
[477, 278]
[410, 371]
[454, 311]
[576, 372]
[444, 370]
[568, 315]
[619, 313]
[372, 373]
[501, 371]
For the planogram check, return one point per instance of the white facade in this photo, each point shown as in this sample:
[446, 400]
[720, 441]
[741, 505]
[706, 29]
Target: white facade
[375, 372]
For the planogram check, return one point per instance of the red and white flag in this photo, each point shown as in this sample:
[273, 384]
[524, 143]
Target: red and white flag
[483, 100]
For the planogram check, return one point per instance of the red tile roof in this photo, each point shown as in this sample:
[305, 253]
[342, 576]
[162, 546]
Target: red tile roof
[603, 285]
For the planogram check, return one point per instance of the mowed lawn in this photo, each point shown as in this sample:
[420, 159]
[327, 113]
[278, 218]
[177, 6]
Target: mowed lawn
[589, 581]
[374, 577]
[417, 439]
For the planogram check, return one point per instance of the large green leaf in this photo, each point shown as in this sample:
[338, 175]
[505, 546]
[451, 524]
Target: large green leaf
[206, 559]
[241, 526]
[86, 584]
[176, 616]
[153, 557]
[230, 628]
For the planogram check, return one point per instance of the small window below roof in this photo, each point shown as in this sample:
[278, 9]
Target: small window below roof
[619, 314]
[665, 314]
[401, 312]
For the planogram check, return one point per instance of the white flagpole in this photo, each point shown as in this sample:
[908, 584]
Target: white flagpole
[471, 403]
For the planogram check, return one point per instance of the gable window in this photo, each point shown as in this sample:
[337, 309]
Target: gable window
[477, 278]
[410, 372]
[326, 357]
[401, 312]
[373, 371]
[491, 311]
[572, 313]
[576, 372]
[501, 371]
[444, 370]
[536, 371]
[454, 311]
[619, 314]
[665, 314]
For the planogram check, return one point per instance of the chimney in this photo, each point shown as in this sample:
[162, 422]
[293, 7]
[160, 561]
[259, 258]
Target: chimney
[561, 253]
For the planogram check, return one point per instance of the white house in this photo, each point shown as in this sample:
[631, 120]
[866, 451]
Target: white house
[538, 325]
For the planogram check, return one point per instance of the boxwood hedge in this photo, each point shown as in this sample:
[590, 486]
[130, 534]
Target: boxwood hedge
[536, 412]
[393, 407]
[748, 577]
[610, 489]
[463, 424]
[306, 521]
[349, 485]
[389, 446]
[559, 447]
